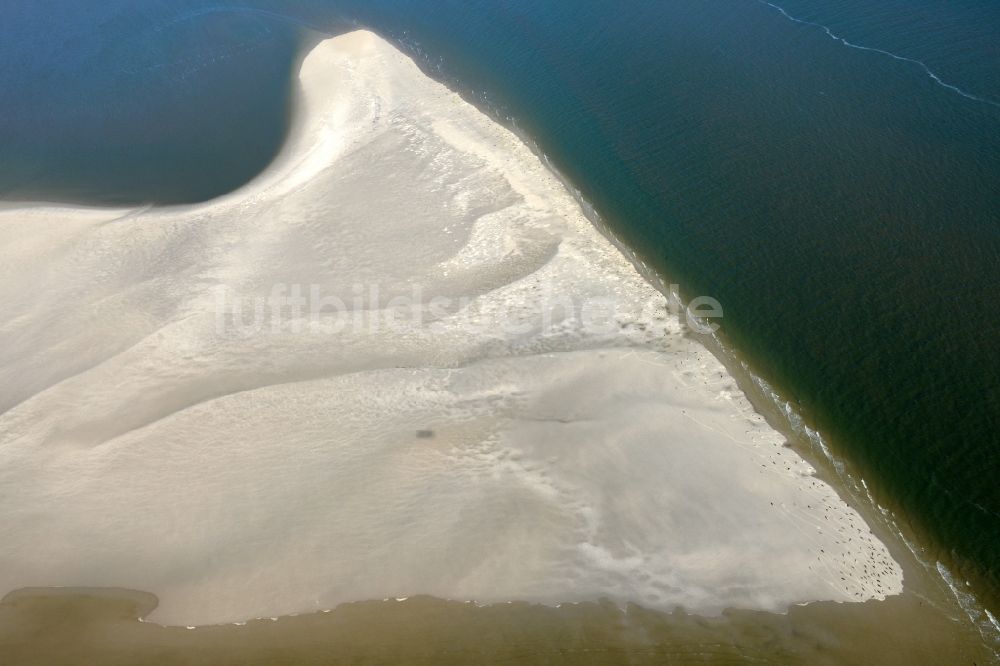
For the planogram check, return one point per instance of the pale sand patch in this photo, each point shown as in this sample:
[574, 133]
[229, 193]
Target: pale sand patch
[254, 475]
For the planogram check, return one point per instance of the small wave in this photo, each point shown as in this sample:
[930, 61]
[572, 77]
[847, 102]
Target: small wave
[931, 73]
[983, 620]
[977, 614]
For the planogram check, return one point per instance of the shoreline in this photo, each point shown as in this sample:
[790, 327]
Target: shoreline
[834, 486]
[925, 558]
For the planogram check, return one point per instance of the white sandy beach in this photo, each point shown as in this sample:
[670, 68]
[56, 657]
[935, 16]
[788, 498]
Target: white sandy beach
[148, 442]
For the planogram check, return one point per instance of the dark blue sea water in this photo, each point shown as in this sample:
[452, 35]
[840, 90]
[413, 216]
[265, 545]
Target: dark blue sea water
[829, 170]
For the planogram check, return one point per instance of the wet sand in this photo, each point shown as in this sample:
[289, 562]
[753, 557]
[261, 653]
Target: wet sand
[47, 627]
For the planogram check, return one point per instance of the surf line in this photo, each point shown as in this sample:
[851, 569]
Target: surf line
[937, 79]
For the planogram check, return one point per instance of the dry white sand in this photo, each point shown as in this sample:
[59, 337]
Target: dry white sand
[239, 474]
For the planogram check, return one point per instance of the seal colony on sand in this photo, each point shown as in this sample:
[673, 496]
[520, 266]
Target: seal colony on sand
[162, 432]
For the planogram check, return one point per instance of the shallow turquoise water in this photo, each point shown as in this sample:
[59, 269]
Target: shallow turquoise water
[830, 171]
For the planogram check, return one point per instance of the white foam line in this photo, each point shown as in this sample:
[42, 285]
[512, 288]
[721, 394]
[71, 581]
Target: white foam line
[980, 617]
[937, 79]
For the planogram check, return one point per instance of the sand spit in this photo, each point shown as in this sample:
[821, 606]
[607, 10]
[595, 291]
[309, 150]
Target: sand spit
[545, 432]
